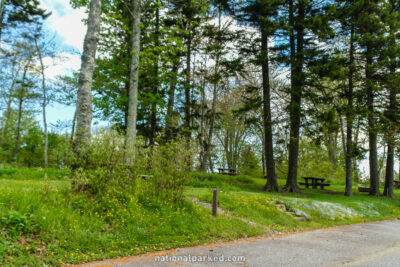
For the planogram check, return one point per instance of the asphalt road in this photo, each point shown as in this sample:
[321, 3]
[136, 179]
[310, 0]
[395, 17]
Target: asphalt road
[369, 244]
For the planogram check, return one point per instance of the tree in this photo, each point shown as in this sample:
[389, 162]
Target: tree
[84, 99]
[67, 87]
[306, 21]
[20, 11]
[391, 80]
[42, 50]
[263, 15]
[22, 94]
[134, 76]
[370, 27]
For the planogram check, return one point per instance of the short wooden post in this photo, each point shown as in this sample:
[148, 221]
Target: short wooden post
[215, 202]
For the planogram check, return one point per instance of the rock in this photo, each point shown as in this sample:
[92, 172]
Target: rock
[280, 207]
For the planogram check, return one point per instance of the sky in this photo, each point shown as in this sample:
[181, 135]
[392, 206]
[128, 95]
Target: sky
[66, 27]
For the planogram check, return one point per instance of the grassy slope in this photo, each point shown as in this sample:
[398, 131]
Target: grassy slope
[65, 228]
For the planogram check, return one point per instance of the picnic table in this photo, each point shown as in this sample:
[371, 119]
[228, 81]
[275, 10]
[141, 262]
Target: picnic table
[145, 176]
[314, 182]
[228, 171]
[396, 184]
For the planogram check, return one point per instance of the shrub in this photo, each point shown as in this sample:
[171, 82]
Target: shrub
[249, 163]
[105, 170]
[7, 171]
[168, 165]
[15, 222]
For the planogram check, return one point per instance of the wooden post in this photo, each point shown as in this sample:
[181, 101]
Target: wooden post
[215, 202]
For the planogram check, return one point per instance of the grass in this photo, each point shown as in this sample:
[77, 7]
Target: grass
[43, 223]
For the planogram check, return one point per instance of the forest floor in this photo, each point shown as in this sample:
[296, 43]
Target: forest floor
[43, 223]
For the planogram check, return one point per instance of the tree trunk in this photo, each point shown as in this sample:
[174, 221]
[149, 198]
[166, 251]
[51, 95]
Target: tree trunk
[1, 18]
[272, 183]
[44, 103]
[73, 127]
[9, 102]
[20, 103]
[9, 110]
[373, 156]
[169, 120]
[153, 118]
[134, 77]
[349, 118]
[389, 177]
[211, 163]
[202, 137]
[332, 149]
[188, 84]
[213, 106]
[18, 134]
[355, 144]
[84, 98]
[188, 88]
[342, 134]
[295, 94]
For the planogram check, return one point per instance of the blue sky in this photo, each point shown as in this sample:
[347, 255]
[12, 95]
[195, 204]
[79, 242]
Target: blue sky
[66, 26]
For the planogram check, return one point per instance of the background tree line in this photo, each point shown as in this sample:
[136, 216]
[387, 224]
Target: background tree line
[276, 88]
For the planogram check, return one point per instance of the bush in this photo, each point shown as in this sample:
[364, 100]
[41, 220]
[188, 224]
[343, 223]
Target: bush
[169, 164]
[249, 163]
[7, 171]
[15, 222]
[104, 169]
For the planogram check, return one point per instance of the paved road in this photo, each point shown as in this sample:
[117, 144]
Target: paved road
[369, 244]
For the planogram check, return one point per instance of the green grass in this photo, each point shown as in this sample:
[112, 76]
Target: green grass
[33, 173]
[42, 222]
[72, 228]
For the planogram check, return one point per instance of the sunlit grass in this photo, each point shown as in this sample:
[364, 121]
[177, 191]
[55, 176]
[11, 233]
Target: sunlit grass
[71, 228]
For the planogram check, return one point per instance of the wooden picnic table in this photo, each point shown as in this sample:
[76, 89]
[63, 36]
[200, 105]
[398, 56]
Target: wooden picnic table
[145, 176]
[396, 184]
[314, 182]
[227, 171]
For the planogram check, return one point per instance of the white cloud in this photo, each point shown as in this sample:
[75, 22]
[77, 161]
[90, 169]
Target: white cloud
[65, 64]
[66, 21]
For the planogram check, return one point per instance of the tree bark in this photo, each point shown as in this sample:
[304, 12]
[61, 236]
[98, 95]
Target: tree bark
[134, 76]
[84, 98]
[73, 127]
[296, 56]
[272, 183]
[355, 144]
[389, 177]
[350, 116]
[373, 156]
